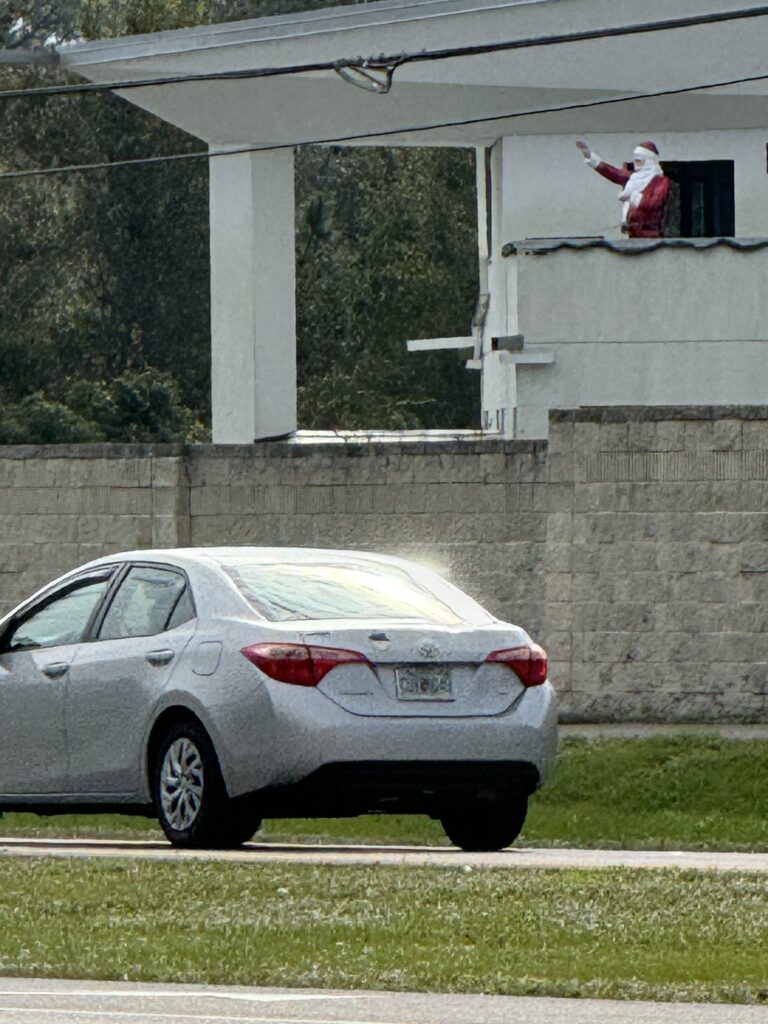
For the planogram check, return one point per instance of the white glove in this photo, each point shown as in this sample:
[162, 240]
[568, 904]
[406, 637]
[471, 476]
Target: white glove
[590, 157]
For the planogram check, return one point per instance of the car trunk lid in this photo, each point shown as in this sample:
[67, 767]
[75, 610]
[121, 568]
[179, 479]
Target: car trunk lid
[419, 670]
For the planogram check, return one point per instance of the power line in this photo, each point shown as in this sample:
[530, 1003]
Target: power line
[205, 155]
[397, 60]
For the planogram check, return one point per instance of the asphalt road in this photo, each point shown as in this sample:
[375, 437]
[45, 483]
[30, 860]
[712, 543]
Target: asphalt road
[516, 857]
[31, 1001]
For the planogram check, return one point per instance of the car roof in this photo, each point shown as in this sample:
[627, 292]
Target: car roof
[215, 556]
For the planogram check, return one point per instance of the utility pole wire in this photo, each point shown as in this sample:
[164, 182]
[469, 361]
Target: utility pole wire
[397, 60]
[340, 139]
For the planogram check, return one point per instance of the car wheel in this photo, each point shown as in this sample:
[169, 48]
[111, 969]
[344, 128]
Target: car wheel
[238, 827]
[191, 799]
[486, 827]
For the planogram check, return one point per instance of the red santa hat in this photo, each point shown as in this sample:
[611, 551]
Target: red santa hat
[648, 150]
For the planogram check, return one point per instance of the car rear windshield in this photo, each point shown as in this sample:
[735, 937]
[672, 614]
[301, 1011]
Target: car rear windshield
[283, 591]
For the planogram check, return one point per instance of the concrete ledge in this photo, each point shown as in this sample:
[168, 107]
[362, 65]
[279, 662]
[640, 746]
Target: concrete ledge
[354, 446]
[351, 444]
[93, 450]
[657, 413]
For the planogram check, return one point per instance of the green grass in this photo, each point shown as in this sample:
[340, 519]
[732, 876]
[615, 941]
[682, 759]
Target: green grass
[665, 935]
[690, 792]
[666, 792]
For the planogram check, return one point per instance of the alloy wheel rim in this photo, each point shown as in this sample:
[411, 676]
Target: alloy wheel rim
[181, 784]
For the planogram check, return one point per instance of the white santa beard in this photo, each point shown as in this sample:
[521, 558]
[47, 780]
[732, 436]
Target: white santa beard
[632, 192]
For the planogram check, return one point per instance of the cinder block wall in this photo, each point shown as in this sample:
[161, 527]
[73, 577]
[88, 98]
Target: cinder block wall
[634, 545]
[668, 549]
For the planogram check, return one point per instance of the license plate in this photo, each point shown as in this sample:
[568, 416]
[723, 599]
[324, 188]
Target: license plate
[428, 683]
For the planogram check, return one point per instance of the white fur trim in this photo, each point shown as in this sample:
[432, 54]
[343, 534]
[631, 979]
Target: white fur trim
[632, 192]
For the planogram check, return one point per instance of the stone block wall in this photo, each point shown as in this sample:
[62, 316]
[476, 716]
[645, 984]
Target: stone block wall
[668, 549]
[633, 545]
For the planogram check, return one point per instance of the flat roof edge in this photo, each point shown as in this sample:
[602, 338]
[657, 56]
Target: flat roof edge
[276, 27]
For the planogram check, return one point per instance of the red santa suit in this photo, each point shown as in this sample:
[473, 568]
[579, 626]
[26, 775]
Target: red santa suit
[644, 194]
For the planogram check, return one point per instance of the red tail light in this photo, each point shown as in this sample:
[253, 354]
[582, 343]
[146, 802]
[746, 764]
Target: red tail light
[298, 664]
[529, 663]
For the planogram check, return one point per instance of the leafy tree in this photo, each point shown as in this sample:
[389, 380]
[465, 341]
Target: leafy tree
[136, 406]
[386, 252]
[38, 420]
[32, 23]
[91, 278]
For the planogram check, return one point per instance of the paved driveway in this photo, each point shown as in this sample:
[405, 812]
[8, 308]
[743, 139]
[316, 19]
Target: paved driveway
[81, 1002]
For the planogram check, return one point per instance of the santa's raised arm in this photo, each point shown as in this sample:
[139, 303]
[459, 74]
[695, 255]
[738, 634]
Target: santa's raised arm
[645, 189]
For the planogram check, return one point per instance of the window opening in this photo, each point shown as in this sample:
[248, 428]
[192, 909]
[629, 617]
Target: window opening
[703, 199]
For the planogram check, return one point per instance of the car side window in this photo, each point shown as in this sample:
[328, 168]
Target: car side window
[146, 603]
[61, 620]
[184, 610]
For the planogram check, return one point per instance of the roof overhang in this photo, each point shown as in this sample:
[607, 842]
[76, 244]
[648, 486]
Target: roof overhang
[430, 97]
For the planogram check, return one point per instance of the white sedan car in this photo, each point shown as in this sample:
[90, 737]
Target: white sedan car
[213, 687]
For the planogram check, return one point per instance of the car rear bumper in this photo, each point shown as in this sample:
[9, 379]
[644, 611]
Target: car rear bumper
[308, 735]
[402, 787]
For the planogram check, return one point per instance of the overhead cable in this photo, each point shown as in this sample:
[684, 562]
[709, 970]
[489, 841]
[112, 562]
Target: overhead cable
[394, 61]
[382, 133]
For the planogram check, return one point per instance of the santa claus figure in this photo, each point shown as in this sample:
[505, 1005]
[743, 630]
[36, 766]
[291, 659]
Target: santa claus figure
[645, 190]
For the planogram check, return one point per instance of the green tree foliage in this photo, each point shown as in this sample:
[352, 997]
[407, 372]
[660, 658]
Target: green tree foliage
[136, 406]
[104, 276]
[392, 233]
[27, 24]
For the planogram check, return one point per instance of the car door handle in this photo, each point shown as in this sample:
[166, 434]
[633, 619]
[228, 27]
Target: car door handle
[56, 669]
[159, 657]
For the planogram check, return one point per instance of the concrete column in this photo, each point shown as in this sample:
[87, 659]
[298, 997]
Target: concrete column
[499, 394]
[253, 297]
[498, 382]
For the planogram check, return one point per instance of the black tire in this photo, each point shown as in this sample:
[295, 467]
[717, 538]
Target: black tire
[190, 797]
[240, 824]
[486, 827]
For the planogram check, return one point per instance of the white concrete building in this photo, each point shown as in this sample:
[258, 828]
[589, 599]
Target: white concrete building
[566, 325]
